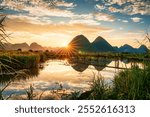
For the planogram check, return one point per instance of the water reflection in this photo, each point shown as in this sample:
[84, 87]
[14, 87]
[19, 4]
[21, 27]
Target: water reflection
[73, 74]
[19, 75]
[78, 64]
[81, 65]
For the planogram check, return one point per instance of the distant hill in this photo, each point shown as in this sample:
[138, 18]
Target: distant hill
[35, 46]
[126, 48]
[23, 46]
[129, 49]
[101, 45]
[115, 48]
[81, 43]
[142, 49]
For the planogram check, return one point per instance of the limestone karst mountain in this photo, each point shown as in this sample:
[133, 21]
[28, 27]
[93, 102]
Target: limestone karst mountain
[81, 43]
[101, 45]
[129, 49]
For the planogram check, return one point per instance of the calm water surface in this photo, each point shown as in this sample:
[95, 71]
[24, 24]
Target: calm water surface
[71, 75]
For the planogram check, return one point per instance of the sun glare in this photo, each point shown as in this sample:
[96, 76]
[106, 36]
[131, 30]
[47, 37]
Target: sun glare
[64, 44]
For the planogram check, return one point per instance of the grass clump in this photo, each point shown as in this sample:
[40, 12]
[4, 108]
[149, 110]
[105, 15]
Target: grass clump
[2, 90]
[100, 90]
[29, 93]
[132, 84]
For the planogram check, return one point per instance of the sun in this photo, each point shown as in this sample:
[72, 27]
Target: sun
[64, 44]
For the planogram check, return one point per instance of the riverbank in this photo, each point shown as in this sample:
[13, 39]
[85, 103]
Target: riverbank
[129, 84]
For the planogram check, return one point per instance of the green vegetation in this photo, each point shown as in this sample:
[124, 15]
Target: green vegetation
[133, 84]
[115, 55]
[23, 59]
[100, 89]
[130, 84]
[19, 60]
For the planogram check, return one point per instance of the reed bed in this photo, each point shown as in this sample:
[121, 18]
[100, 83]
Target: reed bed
[19, 60]
[132, 84]
[129, 84]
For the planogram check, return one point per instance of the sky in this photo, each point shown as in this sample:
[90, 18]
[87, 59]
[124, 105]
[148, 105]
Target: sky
[118, 21]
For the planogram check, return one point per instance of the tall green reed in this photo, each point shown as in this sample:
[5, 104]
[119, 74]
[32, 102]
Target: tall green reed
[132, 84]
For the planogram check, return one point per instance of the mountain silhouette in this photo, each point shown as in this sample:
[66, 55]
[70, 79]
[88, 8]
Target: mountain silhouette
[142, 49]
[23, 46]
[35, 46]
[101, 45]
[129, 49]
[126, 48]
[80, 43]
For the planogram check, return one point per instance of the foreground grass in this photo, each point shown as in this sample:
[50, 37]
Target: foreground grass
[100, 89]
[133, 84]
[130, 84]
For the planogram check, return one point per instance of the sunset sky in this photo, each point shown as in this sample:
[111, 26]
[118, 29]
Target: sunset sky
[118, 21]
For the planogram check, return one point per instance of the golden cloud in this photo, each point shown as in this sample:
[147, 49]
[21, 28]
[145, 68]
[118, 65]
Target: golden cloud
[17, 24]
